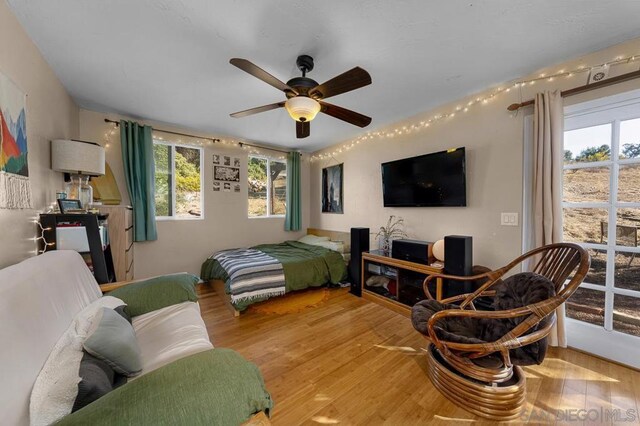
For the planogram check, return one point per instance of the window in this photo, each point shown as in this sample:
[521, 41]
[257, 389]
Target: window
[178, 181]
[601, 212]
[267, 181]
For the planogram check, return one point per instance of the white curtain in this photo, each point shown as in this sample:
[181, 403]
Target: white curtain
[547, 150]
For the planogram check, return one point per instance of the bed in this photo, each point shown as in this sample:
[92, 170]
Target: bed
[250, 275]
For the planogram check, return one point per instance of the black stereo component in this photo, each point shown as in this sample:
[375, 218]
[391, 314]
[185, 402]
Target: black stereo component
[411, 250]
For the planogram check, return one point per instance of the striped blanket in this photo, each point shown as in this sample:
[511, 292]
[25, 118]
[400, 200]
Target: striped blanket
[252, 274]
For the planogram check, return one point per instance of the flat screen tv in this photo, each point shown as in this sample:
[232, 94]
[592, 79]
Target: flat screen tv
[431, 180]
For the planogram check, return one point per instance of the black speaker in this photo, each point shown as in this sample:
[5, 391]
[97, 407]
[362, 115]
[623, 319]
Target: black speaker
[412, 250]
[458, 260]
[359, 243]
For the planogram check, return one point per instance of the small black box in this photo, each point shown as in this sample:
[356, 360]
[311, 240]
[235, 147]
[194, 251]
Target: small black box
[411, 250]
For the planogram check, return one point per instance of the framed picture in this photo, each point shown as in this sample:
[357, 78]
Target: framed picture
[216, 186]
[216, 158]
[227, 160]
[332, 185]
[68, 205]
[226, 174]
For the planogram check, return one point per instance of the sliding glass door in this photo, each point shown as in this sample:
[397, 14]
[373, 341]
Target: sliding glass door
[601, 212]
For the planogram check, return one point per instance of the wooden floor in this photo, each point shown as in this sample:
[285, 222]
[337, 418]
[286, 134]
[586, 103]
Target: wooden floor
[350, 361]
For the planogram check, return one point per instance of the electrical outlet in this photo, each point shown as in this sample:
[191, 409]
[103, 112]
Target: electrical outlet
[509, 219]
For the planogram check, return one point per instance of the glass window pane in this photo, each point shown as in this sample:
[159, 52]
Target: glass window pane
[187, 168]
[626, 314]
[584, 225]
[630, 138]
[598, 271]
[257, 180]
[590, 184]
[278, 181]
[627, 271]
[586, 305]
[628, 227]
[629, 183]
[162, 158]
[587, 144]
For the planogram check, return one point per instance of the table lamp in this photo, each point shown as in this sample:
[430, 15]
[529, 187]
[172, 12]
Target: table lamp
[81, 160]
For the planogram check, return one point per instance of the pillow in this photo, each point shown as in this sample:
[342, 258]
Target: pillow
[122, 311]
[156, 293]
[525, 288]
[56, 386]
[311, 239]
[331, 245]
[97, 379]
[114, 342]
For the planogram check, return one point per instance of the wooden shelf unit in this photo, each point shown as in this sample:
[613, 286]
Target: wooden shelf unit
[409, 278]
[121, 238]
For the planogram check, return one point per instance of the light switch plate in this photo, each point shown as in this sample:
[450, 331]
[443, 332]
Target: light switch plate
[509, 219]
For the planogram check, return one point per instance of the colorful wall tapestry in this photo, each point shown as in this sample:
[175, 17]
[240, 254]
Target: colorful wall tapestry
[15, 191]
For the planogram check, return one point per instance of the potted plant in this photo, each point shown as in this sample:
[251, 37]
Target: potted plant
[393, 230]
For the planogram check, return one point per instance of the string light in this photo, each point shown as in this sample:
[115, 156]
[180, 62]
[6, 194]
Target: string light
[478, 100]
[227, 142]
[41, 237]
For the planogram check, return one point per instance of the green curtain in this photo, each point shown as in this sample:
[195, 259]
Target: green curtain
[139, 172]
[293, 216]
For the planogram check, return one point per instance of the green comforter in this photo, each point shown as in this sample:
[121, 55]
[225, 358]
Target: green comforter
[215, 387]
[304, 266]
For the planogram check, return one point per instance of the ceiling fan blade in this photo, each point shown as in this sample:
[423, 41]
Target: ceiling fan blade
[256, 110]
[344, 114]
[303, 129]
[258, 72]
[351, 80]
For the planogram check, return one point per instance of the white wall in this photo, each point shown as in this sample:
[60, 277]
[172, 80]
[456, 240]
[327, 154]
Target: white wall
[493, 138]
[51, 114]
[183, 245]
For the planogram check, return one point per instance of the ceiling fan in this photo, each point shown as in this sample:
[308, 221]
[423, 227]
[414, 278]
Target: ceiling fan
[305, 97]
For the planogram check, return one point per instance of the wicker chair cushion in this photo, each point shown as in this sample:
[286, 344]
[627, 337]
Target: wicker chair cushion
[516, 291]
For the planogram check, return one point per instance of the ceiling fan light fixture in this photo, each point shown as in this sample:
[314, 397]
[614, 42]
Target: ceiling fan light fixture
[302, 108]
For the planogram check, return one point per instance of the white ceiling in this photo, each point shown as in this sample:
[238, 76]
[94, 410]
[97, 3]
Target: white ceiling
[168, 60]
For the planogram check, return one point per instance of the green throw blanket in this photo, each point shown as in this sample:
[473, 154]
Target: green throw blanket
[215, 387]
[304, 266]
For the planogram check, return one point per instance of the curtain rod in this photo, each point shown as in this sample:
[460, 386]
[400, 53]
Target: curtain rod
[585, 88]
[214, 140]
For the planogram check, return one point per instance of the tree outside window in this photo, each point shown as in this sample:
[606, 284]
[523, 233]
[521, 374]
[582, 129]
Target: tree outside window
[267, 181]
[178, 181]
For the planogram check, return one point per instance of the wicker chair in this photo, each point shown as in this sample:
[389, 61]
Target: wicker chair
[479, 375]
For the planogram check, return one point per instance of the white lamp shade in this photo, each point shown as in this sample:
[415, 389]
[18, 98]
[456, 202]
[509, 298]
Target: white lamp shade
[302, 108]
[438, 250]
[76, 157]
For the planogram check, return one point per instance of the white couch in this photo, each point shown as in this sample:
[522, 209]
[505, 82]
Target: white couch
[39, 298]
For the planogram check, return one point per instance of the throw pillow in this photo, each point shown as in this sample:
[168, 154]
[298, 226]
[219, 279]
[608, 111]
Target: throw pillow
[97, 379]
[156, 293]
[312, 239]
[114, 341]
[122, 311]
[56, 386]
